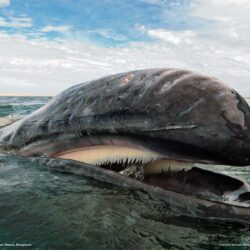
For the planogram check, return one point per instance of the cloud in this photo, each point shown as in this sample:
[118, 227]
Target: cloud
[227, 3]
[108, 33]
[152, 1]
[16, 22]
[163, 2]
[171, 37]
[4, 3]
[220, 49]
[50, 28]
[42, 66]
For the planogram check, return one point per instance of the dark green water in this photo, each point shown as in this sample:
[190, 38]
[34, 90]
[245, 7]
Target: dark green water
[20, 105]
[52, 210]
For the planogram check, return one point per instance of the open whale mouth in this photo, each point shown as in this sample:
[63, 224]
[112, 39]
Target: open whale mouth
[156, 169]
[160, 163]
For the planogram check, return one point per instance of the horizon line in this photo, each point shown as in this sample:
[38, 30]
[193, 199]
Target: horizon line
[25, 95]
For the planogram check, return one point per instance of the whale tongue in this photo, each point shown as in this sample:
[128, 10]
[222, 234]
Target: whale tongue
[202, 183]
[191, 181]
[134, 171]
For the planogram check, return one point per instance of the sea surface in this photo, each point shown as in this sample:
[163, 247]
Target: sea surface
[45, 209]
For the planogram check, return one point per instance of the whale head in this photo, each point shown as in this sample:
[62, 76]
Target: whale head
[145, 124]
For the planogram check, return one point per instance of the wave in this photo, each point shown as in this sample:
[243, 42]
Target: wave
[7, 106]
[7, 120]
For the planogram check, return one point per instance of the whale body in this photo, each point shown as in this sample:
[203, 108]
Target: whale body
[151, 125]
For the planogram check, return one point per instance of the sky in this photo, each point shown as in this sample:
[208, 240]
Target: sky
[47, 46]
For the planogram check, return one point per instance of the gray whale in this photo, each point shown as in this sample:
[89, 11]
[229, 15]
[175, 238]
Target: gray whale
[169, 116]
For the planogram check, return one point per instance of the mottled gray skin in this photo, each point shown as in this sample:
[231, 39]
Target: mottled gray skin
[181, 112]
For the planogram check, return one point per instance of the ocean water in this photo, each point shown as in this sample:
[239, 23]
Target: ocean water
[47, 209]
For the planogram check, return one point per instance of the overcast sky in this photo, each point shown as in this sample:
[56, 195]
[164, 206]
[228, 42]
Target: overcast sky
[49, 45]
